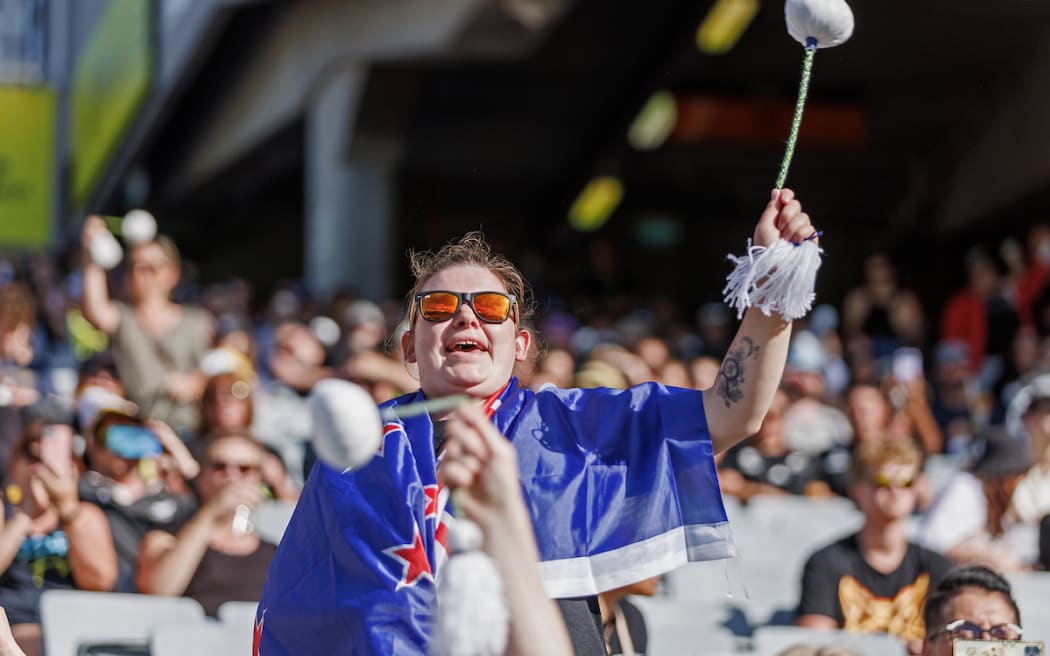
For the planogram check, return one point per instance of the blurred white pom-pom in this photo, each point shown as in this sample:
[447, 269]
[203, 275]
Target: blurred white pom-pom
[347, 428]
[105, 250]
[326, 330]
[829, 22]
[471, 617]
[138, 227]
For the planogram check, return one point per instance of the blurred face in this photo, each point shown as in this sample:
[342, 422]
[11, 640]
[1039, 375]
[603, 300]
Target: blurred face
[978, 607]
[705, 371]
[150, 272]
[770, 436]
[868, 412]
[464, 354]
[558, 367]
[654, 352]
[1037, 423]
[888, 494]
[229, 406]
[229, 460]
[296, 341]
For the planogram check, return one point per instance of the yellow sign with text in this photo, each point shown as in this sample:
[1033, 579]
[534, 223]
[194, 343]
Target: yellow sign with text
[27, 155]
[110, 81]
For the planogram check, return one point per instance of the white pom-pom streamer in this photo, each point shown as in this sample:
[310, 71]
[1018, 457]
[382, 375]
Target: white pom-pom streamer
[105, 250]
[138, 227]
[828, 22]
[346, 424]
[780, 278]
[471, 617]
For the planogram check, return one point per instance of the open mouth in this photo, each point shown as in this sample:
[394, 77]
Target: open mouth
[464, 346]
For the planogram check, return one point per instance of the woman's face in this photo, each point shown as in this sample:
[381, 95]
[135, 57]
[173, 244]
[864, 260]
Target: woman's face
[464, 354]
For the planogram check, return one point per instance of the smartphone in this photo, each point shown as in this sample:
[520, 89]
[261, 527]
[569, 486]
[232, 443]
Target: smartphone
[56, 448]
[132, 441]
[907, 364]
[996, 648]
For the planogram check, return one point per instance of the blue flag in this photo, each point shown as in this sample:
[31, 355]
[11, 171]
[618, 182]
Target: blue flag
[629, 475]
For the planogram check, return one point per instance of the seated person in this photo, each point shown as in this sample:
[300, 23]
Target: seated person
[216, 556]
[970, 603]
[1031, 499]
[126, 477]
[968, 520]
[874, 580]
[763, 464]
[48, 539]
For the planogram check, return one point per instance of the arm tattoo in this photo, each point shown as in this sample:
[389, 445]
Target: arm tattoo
[731, 376]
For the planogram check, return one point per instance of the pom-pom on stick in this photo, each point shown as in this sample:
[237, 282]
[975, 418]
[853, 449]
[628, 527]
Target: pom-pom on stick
[815, 24]
[347, 430]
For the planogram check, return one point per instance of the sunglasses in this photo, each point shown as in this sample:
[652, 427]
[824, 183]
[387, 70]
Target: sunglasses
[881, 480]
[969, 631]
[243, 469]
[490, 307]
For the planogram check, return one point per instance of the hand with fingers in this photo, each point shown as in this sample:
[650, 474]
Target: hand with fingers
[480, 462]
[784, 219]
[60, 488]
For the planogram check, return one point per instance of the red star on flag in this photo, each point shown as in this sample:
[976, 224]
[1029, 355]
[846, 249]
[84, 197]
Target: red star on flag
[257, 633]
[413, 558]
[435, 499]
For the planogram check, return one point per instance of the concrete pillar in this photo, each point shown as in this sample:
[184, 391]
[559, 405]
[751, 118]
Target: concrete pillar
[350, 190]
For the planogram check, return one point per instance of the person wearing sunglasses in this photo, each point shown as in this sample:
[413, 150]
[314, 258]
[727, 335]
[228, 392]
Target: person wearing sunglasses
[621, 484]
[216, 556]
[875, 580]
[970, 603]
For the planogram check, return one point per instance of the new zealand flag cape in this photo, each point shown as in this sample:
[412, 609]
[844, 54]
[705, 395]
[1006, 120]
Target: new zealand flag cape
[621, 485]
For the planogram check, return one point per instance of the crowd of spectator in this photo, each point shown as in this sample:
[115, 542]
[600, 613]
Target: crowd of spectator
[141, 419]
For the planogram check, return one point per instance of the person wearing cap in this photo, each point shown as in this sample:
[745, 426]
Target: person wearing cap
[1031, 499]
[49, 538]
[157, 343]
[969, 518]
[127, 479]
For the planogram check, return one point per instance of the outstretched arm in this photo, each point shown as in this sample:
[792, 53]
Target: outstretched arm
[95, 303]
[754, 364]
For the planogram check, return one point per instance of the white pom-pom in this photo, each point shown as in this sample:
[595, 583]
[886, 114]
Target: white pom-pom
[780, 278]
[471, 618]
[138, 227]
[105, 250]
[828, 22]
[346, 424]
[326, 330]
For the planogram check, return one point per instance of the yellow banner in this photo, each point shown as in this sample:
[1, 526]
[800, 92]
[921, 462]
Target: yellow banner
[27, 147]
[110, 81]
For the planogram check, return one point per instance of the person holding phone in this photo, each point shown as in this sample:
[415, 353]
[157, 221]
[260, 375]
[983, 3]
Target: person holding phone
[128, 478]
[48, 538]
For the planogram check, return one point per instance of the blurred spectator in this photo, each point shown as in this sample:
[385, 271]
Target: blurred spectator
[714, 323]
[157, 344]
[704, 371]
[763, 464]
[49, 539]
[881, 311]
[969, 604]
[982, 315]
[1031, 499]
[555, 367]
[125, 479]
[874, 580]
[1033, 281]
[968, 520]
[823, 322]
[674, 373]
[216, 556]
[623, 624]
[952, 390]
[1044, 543]
[811, 425]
